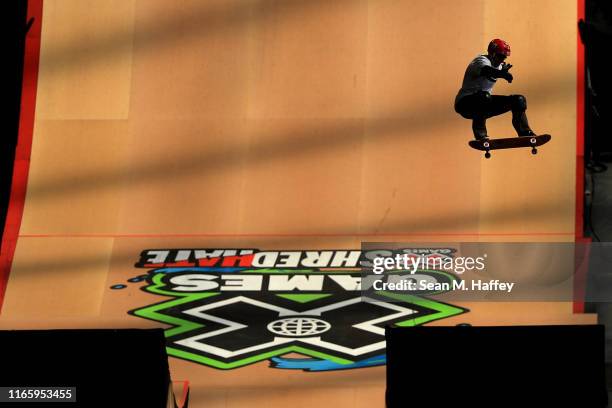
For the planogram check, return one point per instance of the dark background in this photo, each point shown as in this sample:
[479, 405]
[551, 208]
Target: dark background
[12, 28]
[597, 37]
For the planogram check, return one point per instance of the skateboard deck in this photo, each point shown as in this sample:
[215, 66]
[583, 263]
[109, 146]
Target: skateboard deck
[510, 143]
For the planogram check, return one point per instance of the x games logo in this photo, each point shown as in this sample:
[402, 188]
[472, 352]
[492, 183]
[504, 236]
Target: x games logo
[233, 315]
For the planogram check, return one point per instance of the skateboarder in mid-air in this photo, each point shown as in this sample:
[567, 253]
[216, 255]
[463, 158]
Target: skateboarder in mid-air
[474, 100]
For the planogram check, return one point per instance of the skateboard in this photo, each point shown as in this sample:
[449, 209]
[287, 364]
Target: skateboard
[509, 143]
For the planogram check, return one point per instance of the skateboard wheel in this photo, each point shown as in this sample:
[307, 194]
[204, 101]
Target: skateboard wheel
[486, 144]
[487, 155]
[534, 151]
[533, 140]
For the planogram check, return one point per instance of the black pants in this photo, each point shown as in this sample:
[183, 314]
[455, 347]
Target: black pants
[482, 105]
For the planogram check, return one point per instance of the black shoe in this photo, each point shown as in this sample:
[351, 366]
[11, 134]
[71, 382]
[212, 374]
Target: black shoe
[527, 133]
[481, 138]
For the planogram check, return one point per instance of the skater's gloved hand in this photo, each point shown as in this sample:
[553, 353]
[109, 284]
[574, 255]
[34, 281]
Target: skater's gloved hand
[492, 73]
[505, 74]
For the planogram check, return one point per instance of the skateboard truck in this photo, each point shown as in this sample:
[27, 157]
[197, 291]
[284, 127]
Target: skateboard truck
[487, 145]
[533, 142]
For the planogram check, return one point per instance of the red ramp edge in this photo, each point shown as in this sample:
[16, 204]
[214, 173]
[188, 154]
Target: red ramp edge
[581, 267]
[24, 143]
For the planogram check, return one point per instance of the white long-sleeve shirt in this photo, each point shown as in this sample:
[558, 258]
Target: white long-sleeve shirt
[474, 82]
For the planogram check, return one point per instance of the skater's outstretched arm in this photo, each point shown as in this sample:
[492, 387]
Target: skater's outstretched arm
[491, 72]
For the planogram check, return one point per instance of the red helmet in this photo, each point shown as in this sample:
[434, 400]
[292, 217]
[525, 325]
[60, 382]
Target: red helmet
[498, 46]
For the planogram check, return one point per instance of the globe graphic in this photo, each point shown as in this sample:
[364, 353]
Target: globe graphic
[299, 326]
